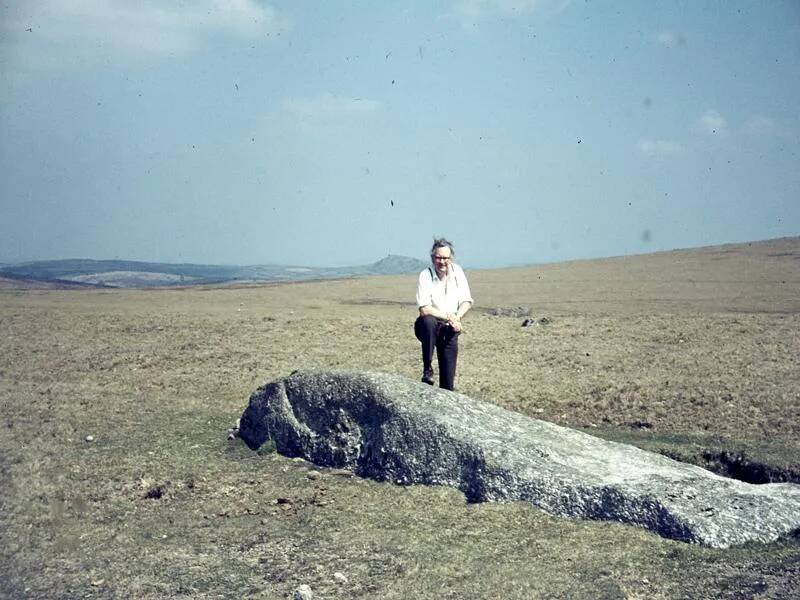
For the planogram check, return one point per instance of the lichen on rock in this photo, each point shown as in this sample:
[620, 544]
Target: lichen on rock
[389, 428]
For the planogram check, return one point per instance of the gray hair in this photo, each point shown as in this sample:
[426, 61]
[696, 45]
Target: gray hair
[442, 243]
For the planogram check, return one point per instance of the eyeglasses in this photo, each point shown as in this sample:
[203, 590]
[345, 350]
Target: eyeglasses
[434, 257]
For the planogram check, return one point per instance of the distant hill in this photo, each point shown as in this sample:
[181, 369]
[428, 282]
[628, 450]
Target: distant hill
[393, 265]
[131, 274]
[20, 283]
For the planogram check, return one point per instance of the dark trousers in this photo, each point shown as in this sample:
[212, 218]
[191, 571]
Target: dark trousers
[434, 333]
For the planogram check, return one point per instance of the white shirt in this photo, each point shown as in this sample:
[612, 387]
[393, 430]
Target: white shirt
[445, 294]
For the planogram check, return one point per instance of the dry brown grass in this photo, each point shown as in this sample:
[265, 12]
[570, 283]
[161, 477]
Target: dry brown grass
[682, 352]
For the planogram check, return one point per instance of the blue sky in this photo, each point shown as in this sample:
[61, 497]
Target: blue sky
[334, 133]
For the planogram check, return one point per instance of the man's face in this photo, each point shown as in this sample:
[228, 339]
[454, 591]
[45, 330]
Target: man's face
[441, 260]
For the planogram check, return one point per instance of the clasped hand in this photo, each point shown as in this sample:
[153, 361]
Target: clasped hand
[455, 322]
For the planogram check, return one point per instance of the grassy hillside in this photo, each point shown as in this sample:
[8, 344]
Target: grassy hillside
[136, 274]
[118, 479]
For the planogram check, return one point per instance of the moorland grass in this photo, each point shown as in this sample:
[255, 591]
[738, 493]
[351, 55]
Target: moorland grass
[161, 504]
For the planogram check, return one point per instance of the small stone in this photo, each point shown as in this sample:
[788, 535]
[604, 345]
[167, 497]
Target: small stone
[155, 492]
[303, 593]
[265, 521]
[340, 578]
[98, 582]
[89, 438]
[313, 475]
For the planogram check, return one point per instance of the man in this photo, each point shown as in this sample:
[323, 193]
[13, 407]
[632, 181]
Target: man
[443, 298]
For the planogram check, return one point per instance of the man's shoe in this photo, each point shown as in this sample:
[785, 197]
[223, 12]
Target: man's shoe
[427, 376]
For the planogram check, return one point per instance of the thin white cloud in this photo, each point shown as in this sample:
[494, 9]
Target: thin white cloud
[761, 125]
[489, 7]
[471, 12]
[659, 148]
[327, 106]
[670, 39]
[712, 123]
[667, 38]
[58, 33]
